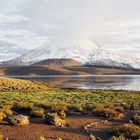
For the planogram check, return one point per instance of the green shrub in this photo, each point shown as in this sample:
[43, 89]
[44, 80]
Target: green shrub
[62, 114]
[119, 109]
[136, 119]
[38, 112]
[23, 106]
[60, 107]
[78, 108]
[109, 113]
[8, 111]
[130, 131]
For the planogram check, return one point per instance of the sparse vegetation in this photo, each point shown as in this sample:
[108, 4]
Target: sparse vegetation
[130, 131]
[92, 137]
[107, 112]
[37, 102]
[60, 100]
[9, 84]
[136, 119]
[121, 137]
[62, 114]
[38, 112]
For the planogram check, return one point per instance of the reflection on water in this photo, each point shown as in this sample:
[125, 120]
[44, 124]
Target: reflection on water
[115, 82]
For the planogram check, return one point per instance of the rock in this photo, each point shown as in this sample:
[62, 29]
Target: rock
[2, 116]
[18, 120]
[54, 119]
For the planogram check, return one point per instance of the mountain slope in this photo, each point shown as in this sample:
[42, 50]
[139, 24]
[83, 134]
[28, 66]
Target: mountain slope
[43, 53]
[60, 62]
[97, 56]
[103, 57]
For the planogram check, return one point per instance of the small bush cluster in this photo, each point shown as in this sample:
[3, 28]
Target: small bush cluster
[23, 106]
[106, 111]
[129, 131]
[92, 137]
[60, 107]
[62, 114]
[78, 108]
[136, 119]
[38, 112]
[121, 137]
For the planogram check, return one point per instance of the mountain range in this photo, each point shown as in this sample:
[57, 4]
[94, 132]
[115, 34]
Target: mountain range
[97, 56]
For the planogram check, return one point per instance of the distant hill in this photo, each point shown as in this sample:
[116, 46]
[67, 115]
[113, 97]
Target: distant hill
[60, 62]
[97, 56]
[44, 69]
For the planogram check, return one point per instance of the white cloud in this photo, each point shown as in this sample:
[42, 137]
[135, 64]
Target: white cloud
[6, 18]
[31, 23]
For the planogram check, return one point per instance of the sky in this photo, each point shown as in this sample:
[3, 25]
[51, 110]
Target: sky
[29, 24]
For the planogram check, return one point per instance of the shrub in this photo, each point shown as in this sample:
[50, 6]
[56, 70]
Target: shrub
[23, 106]
[62, 114]
[119, 109]
[92, 137]
[38, 112]
[42, 138]
[108, 113]
[121, 137]
[2, 115]
[60, 107]
[129, 131]
[97, 106]
[8, 111]
[78, 108]
[136, 119]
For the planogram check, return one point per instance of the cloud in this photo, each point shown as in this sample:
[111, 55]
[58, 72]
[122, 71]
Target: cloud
[28, 24]
[17, 34]
[6, 18]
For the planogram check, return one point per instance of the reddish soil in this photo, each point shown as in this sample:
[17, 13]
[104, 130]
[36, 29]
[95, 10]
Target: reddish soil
[72, 131]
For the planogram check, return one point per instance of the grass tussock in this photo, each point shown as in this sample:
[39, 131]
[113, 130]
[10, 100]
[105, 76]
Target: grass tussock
[121, 137]
[136, 119]
[129, 131]
[106, 111]
[38, 112]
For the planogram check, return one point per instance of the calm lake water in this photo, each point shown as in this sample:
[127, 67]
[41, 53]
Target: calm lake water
[113, 82]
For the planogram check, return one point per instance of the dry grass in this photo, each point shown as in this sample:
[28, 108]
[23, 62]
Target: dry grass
[9, 84]
[129, 131]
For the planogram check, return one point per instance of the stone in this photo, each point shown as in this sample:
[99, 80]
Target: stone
[54, 119]
[18, 120]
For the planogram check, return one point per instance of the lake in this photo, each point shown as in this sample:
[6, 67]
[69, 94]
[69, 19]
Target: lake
[105, 82]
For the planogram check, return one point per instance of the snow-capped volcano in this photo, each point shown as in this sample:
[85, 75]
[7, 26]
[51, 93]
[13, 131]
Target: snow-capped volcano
[95, 55]
[104, 57]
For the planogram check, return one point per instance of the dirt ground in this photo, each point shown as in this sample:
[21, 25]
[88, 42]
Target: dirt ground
[73, 130]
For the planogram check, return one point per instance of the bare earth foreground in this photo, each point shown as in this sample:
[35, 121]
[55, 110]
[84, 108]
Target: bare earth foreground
[73, 130]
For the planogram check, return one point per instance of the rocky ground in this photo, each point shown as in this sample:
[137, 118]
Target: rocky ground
[75, 128]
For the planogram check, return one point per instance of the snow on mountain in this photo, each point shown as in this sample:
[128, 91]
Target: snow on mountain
[98, 56]
[75, 52]
[104, 57]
